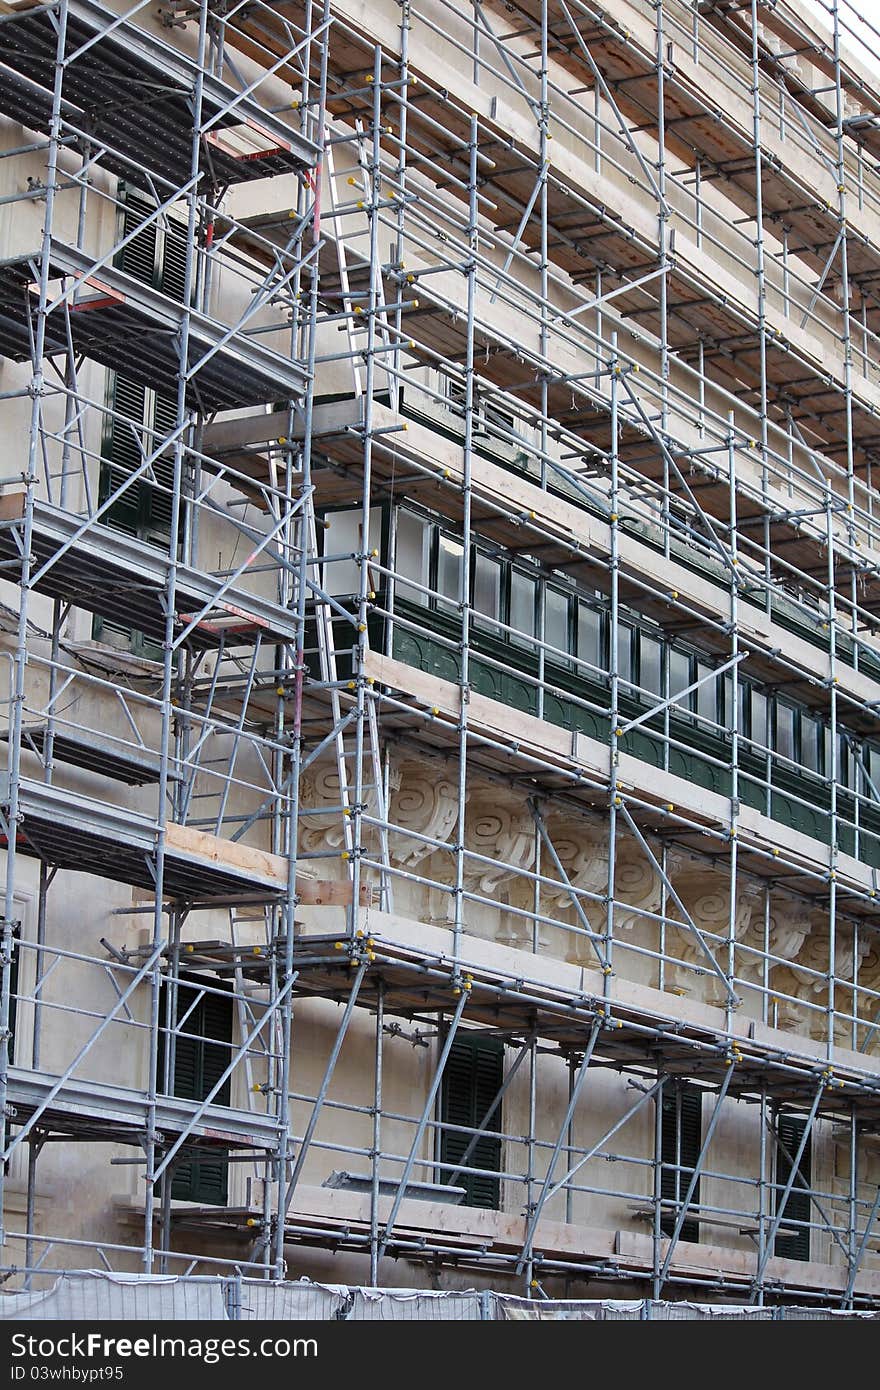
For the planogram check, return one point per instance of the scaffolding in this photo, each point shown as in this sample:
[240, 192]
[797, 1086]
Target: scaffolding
[442, 611]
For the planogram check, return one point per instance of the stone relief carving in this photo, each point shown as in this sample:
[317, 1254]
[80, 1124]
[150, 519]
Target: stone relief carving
[323, 830]
[638, 888]
[582, 849]
[424, 799]
[868, 1006]
[500, 828]
[789, 928]
[706, 897]
[807, 977]
[319, 786]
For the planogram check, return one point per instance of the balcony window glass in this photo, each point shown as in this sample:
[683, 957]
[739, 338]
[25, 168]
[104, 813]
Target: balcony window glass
[344, 537]
[679, 677]
[810, 730]
[449, 558]
[487, 586]
[589, 637]
[650, 665]
[759, 719]
[413, 555]
[706, 692]
[624, 652]
[556, 633]
[522, 603]
[784, 730]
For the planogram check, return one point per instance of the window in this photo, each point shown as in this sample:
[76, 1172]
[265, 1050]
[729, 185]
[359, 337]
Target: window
[784, 730]
[202, 1053]
[472, 1079]
[811, 746]
[495, 423]
[344, 536]
[523, 591]
[727, 698]
[413, 555]
[487, 586]
[624, 652]
[589, 636]
[449, 560]
[556, 629]
[758, 728]
[682, 1137]
[454, 391]
[680, 677]
[745, 698]
[650, 665]
[792, 1241]
[706, 692]
[139, 418]
[871, 759]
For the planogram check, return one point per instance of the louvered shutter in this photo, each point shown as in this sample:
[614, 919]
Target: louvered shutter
[173, 269]
[792, 1242]
[172, 281]
[145, 509]
[473, 1076]
[138, 256]
[122, 455]
[682, 1138]
[13, 996]
[215, 1022]
[201, 1055]
[157, 512]
[155, 255]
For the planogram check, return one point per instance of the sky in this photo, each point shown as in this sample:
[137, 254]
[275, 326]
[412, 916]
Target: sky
[860, 27]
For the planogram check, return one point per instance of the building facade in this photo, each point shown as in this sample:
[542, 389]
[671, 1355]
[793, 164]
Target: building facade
[441, 644]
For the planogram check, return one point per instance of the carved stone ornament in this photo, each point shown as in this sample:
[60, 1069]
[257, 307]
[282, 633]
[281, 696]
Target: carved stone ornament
[424, 798]
[499, 827]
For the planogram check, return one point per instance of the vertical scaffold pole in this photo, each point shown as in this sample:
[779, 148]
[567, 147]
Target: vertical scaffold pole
[470, 270]
[168, 654]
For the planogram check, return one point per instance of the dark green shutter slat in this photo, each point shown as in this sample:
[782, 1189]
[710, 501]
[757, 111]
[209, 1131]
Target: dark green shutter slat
[202, 1181]
[472, 1078]
[122, 454]
[157, 521]
[688, 1123]
[215, 1022]
[13, 996]
[793, 1242]
[200, 1058]
[138, 257]
[173, 274]
[144, 510]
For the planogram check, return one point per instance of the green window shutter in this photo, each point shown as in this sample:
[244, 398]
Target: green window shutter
[122, 455]
[157, 509]
[138, 256]
[201, 1055]
[13, 997]
[472, 1078]
[792, 1242]
[156, 255]
[682, 1136]
[172, 279]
